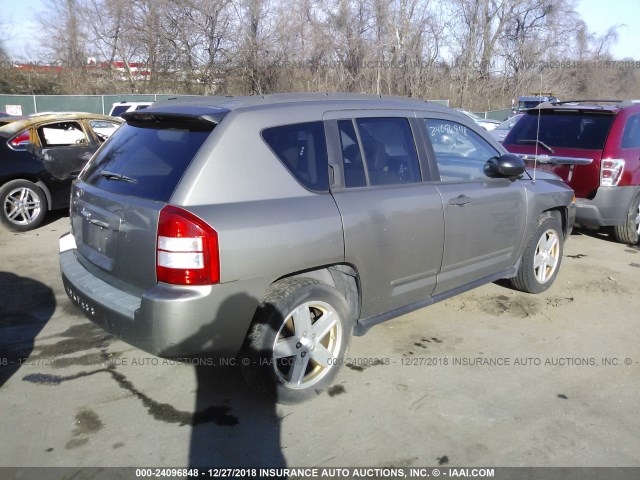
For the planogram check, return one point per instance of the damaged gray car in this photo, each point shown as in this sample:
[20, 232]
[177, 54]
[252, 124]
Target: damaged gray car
[39, 158]
[268, 229]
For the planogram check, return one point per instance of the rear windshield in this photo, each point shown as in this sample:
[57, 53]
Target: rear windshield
[563, 129]
[145, 162]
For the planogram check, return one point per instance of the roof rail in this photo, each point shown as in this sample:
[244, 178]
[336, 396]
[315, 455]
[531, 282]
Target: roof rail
[628, 103]
[587, 101]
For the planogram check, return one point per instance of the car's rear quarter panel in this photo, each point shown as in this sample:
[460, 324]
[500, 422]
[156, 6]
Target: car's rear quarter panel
[269, 225]
[613, 148]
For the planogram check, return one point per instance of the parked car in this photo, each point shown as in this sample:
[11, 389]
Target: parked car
[501, 131]
[486, 123]
[103, 128]
[273, 227]
[118, 109]
[595, 147]
[525, 102]
[39, 158]
[4, 119]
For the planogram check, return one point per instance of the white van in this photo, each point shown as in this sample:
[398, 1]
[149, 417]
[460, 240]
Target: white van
[117, 109]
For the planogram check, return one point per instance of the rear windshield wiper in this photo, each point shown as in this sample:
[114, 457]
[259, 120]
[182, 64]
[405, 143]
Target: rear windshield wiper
[539, 142]
[117, 176]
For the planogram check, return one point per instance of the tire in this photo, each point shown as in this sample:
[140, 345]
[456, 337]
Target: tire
[24, 205]
[629, 231]
[292, 363]
[541, 258]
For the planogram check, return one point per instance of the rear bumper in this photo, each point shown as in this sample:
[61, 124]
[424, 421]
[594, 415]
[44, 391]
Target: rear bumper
[609, 207]
[167, 320]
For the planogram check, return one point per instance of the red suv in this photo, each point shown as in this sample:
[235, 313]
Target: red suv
[595, 147]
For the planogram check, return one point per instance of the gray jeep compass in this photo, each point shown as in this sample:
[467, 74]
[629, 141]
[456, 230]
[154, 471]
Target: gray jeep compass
[272, 228]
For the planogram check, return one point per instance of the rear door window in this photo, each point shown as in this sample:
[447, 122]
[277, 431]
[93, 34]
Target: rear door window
[353, 164]
[382, 152]
[302, 148]
[146, 162]
[62, 134]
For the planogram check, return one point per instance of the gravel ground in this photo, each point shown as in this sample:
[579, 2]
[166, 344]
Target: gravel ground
[490, 378]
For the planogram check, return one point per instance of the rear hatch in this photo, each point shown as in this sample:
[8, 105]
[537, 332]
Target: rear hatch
[562, 135]
[116, 202]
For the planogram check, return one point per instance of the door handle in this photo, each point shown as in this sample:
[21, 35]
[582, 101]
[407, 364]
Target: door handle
[459, 201]
[99, 223]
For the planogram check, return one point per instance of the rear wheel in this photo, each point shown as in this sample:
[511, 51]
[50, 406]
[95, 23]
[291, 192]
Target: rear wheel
[629, 231]
[298, 340]
[541, 258]
[24, 205]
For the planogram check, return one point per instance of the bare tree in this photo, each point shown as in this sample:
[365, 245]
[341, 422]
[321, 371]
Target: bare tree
[3, 38]
[63, 32]
[110, 30]
[62, 37]
[480, 53]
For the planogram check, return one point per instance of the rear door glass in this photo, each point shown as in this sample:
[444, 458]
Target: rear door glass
[146, 162]
[389, 150]
[302, 148]
[383, 152]
[354, 170]
[62, 134]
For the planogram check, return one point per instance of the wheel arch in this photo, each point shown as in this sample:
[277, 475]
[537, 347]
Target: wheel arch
[562, 214]
[342, 277]
[635, 179]
[47, 193]
[39, 183]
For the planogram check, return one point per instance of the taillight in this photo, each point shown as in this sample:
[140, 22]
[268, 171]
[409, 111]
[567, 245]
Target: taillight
[21, 140]
[187, 249]
[611, 171]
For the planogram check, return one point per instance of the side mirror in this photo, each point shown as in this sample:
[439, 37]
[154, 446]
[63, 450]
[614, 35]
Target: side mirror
[508, 165]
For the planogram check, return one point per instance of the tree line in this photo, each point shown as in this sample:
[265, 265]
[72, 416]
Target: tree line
[478, 53]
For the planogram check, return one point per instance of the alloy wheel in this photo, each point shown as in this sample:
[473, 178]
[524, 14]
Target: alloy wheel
[547, 256]
[22, 206]
[307, 344]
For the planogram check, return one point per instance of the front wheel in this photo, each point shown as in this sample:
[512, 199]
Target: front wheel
[297, 341]
[629, 231]
[541, 258]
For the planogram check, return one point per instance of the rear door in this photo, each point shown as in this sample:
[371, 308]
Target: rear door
[484, 217]
[392, 216]
[66, 148]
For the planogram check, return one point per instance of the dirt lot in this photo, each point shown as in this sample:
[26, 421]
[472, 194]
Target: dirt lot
[490, 378]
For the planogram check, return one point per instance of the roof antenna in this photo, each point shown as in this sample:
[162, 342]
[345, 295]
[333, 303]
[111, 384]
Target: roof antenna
[535, 158]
